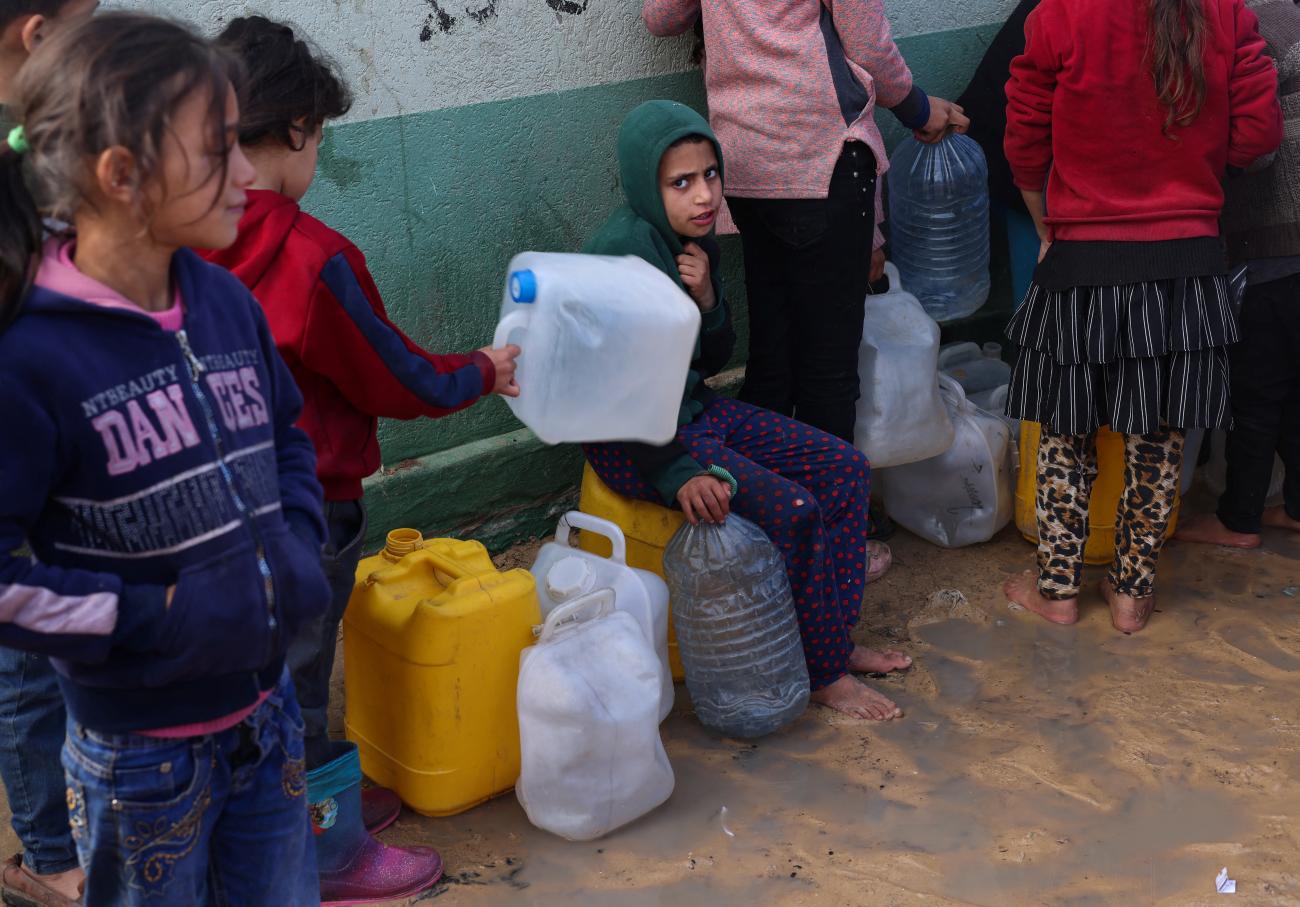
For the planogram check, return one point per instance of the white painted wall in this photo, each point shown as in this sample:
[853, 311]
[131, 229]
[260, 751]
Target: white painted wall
[402, 56]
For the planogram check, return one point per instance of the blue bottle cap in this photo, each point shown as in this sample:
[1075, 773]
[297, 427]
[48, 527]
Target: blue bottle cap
[523, 286]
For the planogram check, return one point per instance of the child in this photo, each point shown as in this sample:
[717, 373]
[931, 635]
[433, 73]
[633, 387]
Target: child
[33, 723]
[806, 489]
[151, 462]
[352, 365]
[1262, 222]
[1128, 318]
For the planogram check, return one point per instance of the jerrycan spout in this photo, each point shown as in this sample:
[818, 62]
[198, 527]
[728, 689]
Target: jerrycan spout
[402, 542]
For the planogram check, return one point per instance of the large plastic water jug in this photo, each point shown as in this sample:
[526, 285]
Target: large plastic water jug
[589, 722]
[431, 643]
[972, 366]
[900, 416]
[1103, 505]
[563, 573]
[606, 346]
[964, 495]
[647, 529]
[736, 625]
[939, 223]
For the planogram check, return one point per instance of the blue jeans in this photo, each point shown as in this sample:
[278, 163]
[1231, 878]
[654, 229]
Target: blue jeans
[311, 651]
[32, 727]
[216, 820]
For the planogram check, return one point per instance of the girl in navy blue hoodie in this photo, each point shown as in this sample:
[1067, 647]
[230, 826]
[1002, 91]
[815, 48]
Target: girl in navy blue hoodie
[149, 459]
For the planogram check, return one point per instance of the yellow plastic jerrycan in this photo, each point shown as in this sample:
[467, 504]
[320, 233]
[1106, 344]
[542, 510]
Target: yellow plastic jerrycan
[431, 644]
[1106, 491]
[647, 528]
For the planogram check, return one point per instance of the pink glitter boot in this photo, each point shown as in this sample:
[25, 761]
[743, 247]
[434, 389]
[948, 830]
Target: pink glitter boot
[354, 867]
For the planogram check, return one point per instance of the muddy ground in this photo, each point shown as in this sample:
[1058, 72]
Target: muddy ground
[1036, 765]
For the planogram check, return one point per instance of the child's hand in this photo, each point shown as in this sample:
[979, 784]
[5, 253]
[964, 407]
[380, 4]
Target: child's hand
[504, 360]
[705, 499]
[693, 264]
[877, 265]
[945, 117]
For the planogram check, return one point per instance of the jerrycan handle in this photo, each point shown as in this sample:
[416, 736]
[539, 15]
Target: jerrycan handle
[587, 607]
[950, 387]
[588, 523]
[516, 320]
[891, 275]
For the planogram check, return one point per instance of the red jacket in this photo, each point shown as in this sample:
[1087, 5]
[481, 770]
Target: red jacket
[351, 363]
[1083, 119]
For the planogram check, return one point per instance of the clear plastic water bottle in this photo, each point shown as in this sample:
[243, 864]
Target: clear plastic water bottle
[736, 628]
[939, 224]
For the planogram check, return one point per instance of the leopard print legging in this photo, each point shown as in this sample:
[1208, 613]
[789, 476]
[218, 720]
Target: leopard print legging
[1067, 465]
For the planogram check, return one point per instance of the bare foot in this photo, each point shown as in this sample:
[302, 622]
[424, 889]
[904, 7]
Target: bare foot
[869, 661]
[1206, 528]
[1128, 614]
[68, 883]
[1277, 518]
[1023, 590]
[852, 697]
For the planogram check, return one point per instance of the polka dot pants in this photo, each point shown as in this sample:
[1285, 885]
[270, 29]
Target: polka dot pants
[806, 489]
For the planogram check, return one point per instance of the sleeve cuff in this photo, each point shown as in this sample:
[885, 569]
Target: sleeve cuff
[669, 480]
[486, 369]
[914, 110]
[140, 612]
[715, 318]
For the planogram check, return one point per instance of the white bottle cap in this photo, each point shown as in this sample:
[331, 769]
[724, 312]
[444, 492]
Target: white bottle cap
[568, 578]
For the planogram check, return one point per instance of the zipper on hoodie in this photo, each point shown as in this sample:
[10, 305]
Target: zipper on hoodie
[196, 370]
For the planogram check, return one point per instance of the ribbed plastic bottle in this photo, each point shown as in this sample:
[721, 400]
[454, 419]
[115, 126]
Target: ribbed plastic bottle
[736, 628]
[939, 224]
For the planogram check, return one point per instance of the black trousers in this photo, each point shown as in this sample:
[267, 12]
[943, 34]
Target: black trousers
[807, 268]
[1265, 374]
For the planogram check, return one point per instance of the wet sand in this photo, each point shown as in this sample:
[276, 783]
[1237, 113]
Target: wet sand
[1036, 765]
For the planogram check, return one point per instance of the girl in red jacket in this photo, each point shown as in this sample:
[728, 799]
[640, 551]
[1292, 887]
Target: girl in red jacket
[353, 365]
[1123, 117]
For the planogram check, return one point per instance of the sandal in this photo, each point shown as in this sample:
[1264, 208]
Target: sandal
[19, 888]
[879, 558]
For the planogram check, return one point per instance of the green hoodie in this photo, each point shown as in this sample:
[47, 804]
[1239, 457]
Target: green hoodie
[641, 228]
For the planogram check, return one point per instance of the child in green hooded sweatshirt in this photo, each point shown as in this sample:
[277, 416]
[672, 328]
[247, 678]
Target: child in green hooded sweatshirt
[808, 490]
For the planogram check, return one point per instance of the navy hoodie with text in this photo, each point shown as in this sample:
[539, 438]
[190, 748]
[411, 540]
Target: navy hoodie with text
[133, 459]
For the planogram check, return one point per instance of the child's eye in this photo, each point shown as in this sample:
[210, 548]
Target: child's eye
[681, 183]
[711, 173]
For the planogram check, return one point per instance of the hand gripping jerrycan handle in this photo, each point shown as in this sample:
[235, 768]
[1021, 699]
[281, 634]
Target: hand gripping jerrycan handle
[523, 290]
[576, 519]
[587, 607]
[895, 282]
[514, 321]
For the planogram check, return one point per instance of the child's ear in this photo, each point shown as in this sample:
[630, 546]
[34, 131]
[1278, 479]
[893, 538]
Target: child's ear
[115, 174]
[32, 32]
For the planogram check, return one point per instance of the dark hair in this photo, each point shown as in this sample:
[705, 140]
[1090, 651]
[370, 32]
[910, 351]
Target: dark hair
[12, 9]
[114, 80]
[1177, 46]
[286, 80]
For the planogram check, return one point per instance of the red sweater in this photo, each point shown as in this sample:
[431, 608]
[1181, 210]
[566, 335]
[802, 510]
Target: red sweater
[1084, 120]
[351, 363]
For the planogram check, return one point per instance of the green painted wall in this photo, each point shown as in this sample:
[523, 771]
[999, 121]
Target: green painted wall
[440, 201]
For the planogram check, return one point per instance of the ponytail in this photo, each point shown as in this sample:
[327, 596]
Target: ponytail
[20, 234]
[1177, 42]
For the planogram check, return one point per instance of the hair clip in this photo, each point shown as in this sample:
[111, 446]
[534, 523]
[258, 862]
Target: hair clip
[17, 140]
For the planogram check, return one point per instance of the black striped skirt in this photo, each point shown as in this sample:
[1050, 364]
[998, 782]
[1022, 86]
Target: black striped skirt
[1136, 357]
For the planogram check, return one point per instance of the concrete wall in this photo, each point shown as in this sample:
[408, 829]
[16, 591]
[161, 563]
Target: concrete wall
[483, 128]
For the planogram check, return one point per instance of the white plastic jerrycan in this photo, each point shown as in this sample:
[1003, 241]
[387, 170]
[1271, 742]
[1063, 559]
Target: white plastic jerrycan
[900, 416]
[564, 573]
[592, 758]
[977, 369]
[964, 495]
[606, 346]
